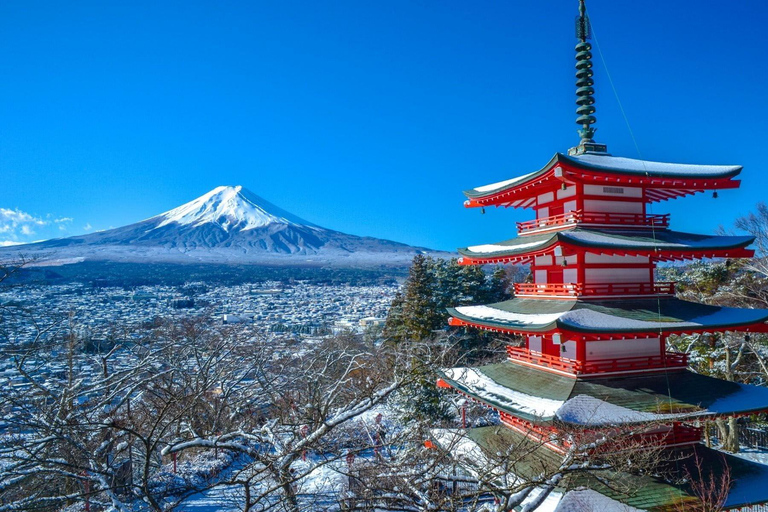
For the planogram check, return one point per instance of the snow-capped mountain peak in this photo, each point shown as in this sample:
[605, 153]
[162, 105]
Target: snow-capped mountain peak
[231, 208]
[227, 225]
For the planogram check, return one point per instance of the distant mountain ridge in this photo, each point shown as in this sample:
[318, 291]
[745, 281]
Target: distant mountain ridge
[225, 225]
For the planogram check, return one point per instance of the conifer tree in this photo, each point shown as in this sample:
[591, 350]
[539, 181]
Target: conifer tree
[420, 316]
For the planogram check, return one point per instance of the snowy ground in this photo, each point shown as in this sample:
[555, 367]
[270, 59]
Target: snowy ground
[754, 454]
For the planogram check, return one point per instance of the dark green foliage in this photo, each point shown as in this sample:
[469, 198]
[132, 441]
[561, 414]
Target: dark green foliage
[107, 274]
[434, 285]
[422, 401]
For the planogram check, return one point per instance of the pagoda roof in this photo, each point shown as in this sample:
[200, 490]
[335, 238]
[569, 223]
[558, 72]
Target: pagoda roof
[680, 179]
[663, 244]
[613, 317]
[540, 396]
[641, 492]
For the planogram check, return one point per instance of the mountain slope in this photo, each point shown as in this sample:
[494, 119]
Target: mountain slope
[226, 225]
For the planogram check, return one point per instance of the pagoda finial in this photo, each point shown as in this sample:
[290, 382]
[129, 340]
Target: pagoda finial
[584, 91]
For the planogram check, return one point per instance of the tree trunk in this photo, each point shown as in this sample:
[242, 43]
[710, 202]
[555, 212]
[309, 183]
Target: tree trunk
[728, 430]
[289, 489]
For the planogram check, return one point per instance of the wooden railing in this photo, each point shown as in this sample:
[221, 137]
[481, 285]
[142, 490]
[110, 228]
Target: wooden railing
[676, 434]
[549, 222]
[581, 289]
[621, 220]
[623, 364]
[560, 289]
[683, 434]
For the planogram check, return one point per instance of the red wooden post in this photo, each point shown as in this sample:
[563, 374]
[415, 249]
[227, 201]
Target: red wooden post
[173, 455]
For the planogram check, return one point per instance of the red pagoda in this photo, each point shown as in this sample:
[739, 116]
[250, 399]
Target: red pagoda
[593, 324]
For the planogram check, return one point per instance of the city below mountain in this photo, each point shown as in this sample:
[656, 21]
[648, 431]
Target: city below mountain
[227, 225]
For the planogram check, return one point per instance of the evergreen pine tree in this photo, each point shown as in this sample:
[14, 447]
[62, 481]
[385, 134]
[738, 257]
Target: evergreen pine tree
[419, 315]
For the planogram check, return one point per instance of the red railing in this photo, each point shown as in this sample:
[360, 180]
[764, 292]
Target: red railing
[604, 219]
[549, 222]
[580, 289]
[568, 289]
[683, 434]
[676, 434]
[623, 364]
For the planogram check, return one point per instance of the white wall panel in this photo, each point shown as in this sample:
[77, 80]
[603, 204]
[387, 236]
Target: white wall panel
[614, 349]
[600, 206]
[613, 191]
[617, 275]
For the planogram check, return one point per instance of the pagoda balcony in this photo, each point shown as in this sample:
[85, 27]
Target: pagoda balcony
[673, 435]
[606, 220]
[669, 360]
[572, 290]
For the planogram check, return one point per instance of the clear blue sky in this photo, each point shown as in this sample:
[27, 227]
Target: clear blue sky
[365, 117]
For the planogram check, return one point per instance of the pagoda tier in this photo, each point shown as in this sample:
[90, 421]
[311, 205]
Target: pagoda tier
[609, 490]
[568, 245]
[590, 174]
[608, 319]
[543, 397]
[609, 336]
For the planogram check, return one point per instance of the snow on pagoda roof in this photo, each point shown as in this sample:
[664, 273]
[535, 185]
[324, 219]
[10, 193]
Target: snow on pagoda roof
[647, 167]
[613, 165]
[480, 462]
[667, 315]
[587, 500]
[541, 396]
[630, 492]
[608, 239]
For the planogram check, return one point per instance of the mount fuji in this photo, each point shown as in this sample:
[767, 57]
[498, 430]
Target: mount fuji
[226, 225]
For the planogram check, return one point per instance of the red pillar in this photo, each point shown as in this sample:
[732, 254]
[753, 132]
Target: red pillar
[581, 350]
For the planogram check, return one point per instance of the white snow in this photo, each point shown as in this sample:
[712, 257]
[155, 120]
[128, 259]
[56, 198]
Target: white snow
[498, 315]
[589, 319]
[586, 318]
[587, 410]
[628, 165]
[754, 454]
[587, 500]
[475, 461]
[643, 166]
[505, 183]
[491, 248]
[487, 389]
[230, 208]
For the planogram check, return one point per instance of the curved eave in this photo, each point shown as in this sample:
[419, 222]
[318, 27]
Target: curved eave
[445, 381]
[649, 169]
[594, 320]
[576, 240]
[538, 396]
[660, 180]
[458, 320]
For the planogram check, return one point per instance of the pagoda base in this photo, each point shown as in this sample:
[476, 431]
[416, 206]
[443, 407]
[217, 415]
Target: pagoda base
[486, 447]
